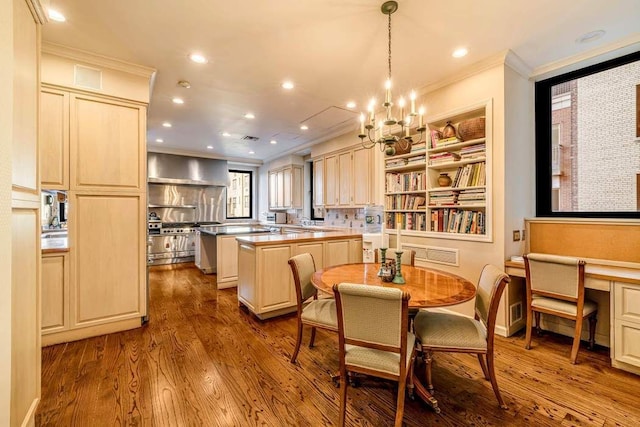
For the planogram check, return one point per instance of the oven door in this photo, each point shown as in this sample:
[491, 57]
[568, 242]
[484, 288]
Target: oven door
[171, 248]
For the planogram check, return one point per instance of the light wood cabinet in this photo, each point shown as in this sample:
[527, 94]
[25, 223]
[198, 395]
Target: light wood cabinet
[107, 143]
[227, 261]
[285, 188]
[54, 139]
[265, 282]
[318, 183]
[55, 292]
[108, 265]
[626, 345]
[347, 179]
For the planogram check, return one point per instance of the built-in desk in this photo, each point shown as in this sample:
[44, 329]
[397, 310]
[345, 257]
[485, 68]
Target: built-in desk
[621, 280]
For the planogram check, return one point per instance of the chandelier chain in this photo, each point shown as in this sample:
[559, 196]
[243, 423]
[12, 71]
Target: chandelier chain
[389, 46]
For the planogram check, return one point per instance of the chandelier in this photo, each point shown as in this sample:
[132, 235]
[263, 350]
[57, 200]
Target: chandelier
[381, 132]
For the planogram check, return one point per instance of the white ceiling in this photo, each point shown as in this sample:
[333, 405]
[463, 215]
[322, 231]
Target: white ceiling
[333, 50]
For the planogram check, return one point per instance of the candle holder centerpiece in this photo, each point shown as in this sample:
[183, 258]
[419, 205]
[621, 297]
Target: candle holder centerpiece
[387, 268]
[398, 279]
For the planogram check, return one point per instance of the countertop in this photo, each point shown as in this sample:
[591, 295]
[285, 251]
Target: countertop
[54, 245]
[216, 230]
[275, 238]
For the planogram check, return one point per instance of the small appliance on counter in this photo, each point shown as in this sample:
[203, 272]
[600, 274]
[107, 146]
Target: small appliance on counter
[277, 217]
[371, 242]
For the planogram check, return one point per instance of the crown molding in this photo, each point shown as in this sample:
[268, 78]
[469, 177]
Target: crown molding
[612, 50]
[95, 59]
[38, 9]
[517, 64]
[180, 152]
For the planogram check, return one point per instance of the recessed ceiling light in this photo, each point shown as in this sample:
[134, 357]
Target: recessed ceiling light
[351, 104]
[249, 116]
[166, 124]
[252, 152]
[226, 134]
[304, 127]
[196, 57]
[159, 140]
[209, 147]
[591, 36]
[287, 85]
[273, 141]
[56, 16]
[178, 100]
[460, 52]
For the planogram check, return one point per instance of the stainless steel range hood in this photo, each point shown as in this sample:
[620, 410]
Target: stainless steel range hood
[173, 169]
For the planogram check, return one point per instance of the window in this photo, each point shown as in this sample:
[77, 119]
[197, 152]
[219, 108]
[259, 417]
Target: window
[587, 150]
[239, 194]
[317, 214]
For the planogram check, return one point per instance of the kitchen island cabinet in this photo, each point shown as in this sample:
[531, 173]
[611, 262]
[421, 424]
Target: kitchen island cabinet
[265, 282]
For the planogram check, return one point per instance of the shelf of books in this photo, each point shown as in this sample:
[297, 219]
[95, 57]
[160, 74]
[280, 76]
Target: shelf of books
[406, 189]
[459, 174]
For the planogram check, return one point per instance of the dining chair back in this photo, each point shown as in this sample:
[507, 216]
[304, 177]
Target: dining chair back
[446, 332]
[373, 338]
[311, 311]
[555, 286]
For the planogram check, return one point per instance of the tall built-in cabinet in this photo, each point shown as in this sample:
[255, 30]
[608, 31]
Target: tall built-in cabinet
[20, 357]
[344, 179]
[285, 187]
[94, 146]
[442, 188]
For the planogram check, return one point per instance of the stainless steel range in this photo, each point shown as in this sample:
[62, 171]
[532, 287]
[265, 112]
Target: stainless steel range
[171, 243]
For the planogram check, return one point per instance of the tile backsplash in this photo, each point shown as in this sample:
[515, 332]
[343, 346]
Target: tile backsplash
[345, 218]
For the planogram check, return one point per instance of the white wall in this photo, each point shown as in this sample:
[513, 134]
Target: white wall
[6, 124]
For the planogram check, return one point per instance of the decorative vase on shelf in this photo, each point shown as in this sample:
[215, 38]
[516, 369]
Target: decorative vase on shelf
[449, 131]
[444, 180]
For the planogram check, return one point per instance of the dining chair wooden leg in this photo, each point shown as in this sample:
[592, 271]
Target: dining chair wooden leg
[494, 381]
[538, 327]
[483, 365]
[593, 319]
[313, 336]
[410, 386]
[428, 359]
[298, 342]
[576, 340]
[402, 383]
[527, 341]
[343, 397]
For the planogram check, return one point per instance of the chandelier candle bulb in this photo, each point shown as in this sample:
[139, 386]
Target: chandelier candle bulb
[387, 86]
[420, 117]
[401, 105]
[361, 123]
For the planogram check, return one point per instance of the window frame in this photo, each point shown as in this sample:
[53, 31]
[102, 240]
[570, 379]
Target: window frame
[543, 140]
[226, 201]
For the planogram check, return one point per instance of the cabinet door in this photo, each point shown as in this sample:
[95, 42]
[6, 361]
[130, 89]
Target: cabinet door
[331, 174]
[286, 188]
[318, 183]
[336, 252]
[107, 234]
[273, 190]
[363, 176]
[345, 177]
[280, 189]
[275, 288]
[247, 280]
[355, 250]
[55, 292]
[227, 253]
[316, 249]
[54, 139]
[296, 187]
[107, 145]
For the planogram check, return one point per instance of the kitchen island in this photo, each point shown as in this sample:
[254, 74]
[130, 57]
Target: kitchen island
[265, 282]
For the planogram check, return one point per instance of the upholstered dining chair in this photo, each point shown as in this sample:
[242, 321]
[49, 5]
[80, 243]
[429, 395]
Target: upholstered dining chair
[373, 338]
[408, 256]
[555, 285]
[311, 311]
[444, 332]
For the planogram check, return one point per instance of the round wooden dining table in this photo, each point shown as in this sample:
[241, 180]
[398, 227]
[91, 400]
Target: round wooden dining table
[427, 288]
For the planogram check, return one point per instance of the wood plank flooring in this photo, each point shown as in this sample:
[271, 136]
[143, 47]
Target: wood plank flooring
[203, 361]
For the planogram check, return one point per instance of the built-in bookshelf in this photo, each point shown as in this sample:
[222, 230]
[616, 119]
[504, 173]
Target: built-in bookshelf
[442, 188]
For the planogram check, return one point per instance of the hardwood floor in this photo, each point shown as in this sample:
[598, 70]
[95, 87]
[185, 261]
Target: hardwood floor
[203, 361]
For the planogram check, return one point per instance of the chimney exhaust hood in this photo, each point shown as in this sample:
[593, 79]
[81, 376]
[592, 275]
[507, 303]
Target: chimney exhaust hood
[173, 169]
